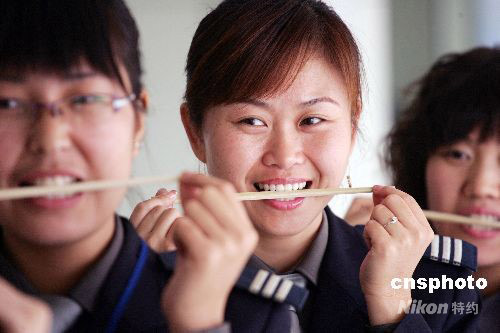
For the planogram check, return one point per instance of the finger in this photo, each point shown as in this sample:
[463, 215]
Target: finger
[160, 230]
[384, 191]
[382, 215]
[149, 221]
[188, 237]
[143, 208]
[161, 191]
[375, 235]
[400, 208]
[223, 210]
[204, 219]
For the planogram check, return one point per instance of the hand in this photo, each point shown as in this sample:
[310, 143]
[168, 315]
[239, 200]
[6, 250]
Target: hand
[22, 313]
[394, 252]
[214, 241]
[153, 219]
[360, 211]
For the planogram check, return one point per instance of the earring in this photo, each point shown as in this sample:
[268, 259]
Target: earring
[138, 145]
[349, 183]
[202, 168]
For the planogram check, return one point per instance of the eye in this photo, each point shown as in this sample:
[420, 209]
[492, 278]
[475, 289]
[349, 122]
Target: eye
[457, 155]
[83, 100]
[252, 122]
[311, 121]
[9, 104]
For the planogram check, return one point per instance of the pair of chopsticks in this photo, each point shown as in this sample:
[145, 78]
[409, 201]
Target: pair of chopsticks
[38, 191]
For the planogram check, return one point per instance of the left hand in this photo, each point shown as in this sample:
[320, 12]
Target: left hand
[394, 252]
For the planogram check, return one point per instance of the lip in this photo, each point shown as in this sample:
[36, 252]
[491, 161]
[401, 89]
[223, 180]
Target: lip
[481, 234]
[284, 205]
[30, 177]
[54, 203]
[475, 233]
[284, 181]
[479, 210]
[51, 202]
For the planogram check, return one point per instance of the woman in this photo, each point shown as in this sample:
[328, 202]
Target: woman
[445, 151]
[273, 100]
[72, 109]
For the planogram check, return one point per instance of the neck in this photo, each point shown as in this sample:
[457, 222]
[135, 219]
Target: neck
[283, 253]
[492, 275]
[55, 269]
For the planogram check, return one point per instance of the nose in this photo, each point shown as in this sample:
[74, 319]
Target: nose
[284, 149]
[49, 133]
[483, 180]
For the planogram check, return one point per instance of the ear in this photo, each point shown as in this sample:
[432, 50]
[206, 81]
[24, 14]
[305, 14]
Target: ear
[194, 134]
[140, 121]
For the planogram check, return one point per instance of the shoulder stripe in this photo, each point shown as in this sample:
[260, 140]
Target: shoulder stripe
[271, 285]
[452, 251]
[446, 249]
[258, 281]
[435, 248]
[283, 290]
[457, 256]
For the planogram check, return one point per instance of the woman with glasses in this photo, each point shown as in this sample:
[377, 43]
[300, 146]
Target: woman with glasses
[72, 109]
[273, 100]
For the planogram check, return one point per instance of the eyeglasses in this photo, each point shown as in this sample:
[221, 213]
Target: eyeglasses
[79, 110]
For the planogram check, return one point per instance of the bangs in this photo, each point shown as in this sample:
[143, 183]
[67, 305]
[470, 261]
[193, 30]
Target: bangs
[56, 36]
[257, 49]
[468, 104]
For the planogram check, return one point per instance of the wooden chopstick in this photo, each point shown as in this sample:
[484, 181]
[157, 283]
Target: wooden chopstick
[38, 191]
[245, 196]
[95, 185]
[459, 219]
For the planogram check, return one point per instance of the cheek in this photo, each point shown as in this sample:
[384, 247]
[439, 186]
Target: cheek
[11, 148]
[329, 153]
[443, 186]
[109, 150]
[230, 156]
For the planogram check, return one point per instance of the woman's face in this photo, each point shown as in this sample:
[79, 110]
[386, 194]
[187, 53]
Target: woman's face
[300, 137]
[55, 150]
[464, 179]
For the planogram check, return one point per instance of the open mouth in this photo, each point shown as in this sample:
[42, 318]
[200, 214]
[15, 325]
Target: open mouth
[58, 180]
[482, 217]
[283, 187]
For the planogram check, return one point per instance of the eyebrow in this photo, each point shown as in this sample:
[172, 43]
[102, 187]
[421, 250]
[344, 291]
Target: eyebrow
[70, 76]
[311, 102]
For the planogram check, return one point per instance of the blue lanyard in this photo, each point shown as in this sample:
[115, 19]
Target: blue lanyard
[119, 309]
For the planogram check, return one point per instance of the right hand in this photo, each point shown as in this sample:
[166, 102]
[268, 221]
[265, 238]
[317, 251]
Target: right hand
[153, 220]
[214, 241]
[22, 313]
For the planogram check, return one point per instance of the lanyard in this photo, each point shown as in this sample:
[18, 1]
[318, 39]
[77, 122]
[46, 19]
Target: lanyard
[119, 309]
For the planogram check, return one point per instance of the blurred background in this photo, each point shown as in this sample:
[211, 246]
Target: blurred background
[399, 40]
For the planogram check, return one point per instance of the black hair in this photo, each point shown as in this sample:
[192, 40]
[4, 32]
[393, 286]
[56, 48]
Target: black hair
[56, 35]
[459, 94]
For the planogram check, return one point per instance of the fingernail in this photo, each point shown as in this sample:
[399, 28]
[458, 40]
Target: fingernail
[376, 188]
[172, 194]
[161, 191]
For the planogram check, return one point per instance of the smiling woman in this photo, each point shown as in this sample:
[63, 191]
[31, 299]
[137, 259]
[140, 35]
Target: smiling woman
[272, 103]
[72, 109]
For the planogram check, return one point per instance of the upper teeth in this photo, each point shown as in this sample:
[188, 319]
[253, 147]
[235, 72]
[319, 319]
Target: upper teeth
[282, 187]
[484, 218]
[56, 180]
